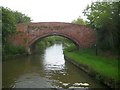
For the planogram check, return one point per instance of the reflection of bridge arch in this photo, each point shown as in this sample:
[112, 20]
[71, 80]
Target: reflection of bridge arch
[29, 33]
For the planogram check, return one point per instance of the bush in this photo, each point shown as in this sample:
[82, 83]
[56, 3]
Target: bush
[12, 50]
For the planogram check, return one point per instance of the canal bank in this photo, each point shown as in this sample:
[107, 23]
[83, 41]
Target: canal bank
[110, 82]
[13, 56]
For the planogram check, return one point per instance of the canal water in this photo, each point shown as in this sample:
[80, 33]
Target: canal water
[46, 70]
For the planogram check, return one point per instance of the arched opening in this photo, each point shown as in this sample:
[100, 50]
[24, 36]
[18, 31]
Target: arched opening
[63, 37]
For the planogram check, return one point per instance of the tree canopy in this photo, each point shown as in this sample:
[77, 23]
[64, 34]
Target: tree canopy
[104, 16]
[79, 20]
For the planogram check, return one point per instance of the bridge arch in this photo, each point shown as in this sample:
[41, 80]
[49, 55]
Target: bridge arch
[34, 41]
[54, 34]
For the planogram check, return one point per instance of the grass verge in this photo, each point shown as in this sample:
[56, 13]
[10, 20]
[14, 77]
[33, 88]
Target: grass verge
[105, 66]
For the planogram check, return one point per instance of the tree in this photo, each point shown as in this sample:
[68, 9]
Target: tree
[80, 21]
[104, 16]
[21, 18]
[8, 24]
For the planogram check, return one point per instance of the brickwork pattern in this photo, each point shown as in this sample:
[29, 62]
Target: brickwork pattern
[29, 33]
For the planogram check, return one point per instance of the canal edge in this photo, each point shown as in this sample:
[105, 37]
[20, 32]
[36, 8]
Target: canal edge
[96, 76]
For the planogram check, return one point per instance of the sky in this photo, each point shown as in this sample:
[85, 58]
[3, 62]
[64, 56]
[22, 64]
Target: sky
[49, 10]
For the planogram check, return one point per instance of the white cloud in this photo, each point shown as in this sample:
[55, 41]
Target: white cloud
[48, 10]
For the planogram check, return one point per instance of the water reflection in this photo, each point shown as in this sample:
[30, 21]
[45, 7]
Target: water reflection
[54, 60]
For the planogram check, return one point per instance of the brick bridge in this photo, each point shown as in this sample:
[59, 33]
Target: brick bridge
[30, 33]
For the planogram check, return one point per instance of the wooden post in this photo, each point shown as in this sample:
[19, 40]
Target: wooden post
[96, 50]
[29, 51]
